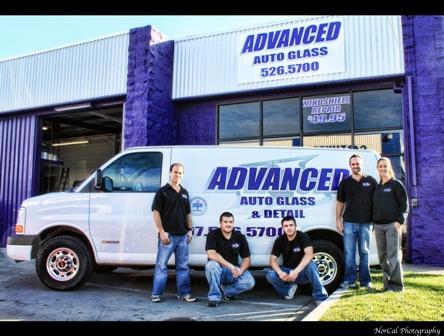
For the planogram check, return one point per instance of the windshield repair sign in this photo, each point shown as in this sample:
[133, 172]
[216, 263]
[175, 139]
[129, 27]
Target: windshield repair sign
[308, 48]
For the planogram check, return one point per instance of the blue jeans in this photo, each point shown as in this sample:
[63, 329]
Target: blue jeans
[359, 233]
[179, 247]
[308, 275]
[218, 275]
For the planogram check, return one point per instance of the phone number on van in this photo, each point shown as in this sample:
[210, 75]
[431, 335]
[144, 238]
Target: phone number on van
[249, 231]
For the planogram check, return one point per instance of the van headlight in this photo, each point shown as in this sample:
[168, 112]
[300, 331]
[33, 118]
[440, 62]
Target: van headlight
[21, 220]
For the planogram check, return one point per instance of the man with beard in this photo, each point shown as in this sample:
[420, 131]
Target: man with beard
[298, 267]
[355, 222]
[226, 278]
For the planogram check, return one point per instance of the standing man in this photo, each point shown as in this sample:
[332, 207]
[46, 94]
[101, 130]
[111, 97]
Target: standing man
[172, 217]
[355, 194]
[298, 266]
[225, 277]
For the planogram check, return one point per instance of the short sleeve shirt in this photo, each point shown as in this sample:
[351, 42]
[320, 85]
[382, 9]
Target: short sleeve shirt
[292, 251]
[173, 208]
[357, 197]
[229, 249]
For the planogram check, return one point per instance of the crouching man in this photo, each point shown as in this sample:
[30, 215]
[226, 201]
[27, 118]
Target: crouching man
[225, 277]
[298, 268]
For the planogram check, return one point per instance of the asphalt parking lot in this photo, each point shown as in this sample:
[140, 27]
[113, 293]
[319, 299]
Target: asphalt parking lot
[124, 295]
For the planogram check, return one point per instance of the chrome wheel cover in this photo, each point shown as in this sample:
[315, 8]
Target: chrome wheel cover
[327, 267]
[62, 264]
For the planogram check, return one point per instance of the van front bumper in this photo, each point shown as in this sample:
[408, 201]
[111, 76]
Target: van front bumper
[20, 248]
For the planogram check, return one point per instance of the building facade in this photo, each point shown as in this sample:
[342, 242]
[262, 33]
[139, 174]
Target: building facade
[329, 81]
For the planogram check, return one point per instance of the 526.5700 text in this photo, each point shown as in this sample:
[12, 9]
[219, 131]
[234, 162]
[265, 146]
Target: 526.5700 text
[289, 69]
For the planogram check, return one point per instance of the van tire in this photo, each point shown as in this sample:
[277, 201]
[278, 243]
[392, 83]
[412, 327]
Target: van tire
[64, 263]
[330, 261]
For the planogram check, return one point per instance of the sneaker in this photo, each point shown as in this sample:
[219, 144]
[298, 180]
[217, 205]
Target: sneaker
[156, 298]
[212, 303]
[368, 286]
[226, 296]
[291, 292]
[346, 285]
[187, 298]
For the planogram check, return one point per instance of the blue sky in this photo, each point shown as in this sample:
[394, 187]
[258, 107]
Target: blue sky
[20, 35]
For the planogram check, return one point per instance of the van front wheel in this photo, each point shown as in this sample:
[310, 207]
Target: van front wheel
[64, 263]
[330, 261]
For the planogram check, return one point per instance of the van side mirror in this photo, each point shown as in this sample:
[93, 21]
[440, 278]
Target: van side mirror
[107, 184]
[98, 180]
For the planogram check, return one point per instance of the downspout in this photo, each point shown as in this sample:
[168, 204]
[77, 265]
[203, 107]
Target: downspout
[414, 198]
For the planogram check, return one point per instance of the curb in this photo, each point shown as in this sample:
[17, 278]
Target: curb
[320, 310]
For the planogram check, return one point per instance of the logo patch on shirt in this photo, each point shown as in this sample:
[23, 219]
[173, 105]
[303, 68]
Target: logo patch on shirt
[296, 249]
[235, 245]
[184, 196]
[387, 189]
[366, 184]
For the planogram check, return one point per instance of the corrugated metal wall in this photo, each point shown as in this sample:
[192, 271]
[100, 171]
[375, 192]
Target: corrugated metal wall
[18, 139]
[207, 65]
[88, 70]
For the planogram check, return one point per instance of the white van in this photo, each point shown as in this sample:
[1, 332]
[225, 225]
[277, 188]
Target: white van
[106, 222]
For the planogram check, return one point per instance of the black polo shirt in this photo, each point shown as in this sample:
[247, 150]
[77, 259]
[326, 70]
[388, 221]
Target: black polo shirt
[389, 202]
[292, 251]
[229, 249]
[173, 208]
[357, 197]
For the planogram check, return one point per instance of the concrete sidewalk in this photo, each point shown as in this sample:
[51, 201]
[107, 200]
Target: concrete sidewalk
[423, 269]
[319, 311]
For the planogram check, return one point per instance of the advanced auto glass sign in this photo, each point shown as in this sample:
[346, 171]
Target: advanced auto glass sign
[312, 47]
[277, 188]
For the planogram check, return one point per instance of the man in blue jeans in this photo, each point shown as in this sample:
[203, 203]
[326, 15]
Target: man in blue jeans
[355, 194]
[298, 267]
[226, 278]
[172, 217]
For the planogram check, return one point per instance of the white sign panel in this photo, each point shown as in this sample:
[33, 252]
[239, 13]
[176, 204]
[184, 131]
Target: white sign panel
[302, 49]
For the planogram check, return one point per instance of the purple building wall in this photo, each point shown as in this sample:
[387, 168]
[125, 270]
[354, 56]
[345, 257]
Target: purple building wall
[424, 62]
[197, 122]
[149, 114]
[18, 166]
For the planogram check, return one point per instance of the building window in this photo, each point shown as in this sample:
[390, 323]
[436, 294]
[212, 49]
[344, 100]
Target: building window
[327, 114]
[282, 142]
[239, 120]
[377, 109]
[357, 119]
[329, 141]
[281, 116]
[245, 143]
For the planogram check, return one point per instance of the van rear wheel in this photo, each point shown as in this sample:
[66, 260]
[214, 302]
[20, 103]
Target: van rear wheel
[330, 261]
[64, 263]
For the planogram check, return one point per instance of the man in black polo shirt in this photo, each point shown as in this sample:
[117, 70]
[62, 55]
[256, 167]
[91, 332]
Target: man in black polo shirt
[298, 266]
[225, 277]
[172, 217]
[355, 193]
